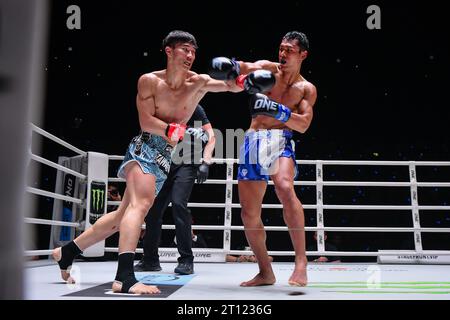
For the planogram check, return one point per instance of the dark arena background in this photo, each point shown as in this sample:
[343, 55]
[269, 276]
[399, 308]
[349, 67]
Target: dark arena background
[382, 93]
[382, 96]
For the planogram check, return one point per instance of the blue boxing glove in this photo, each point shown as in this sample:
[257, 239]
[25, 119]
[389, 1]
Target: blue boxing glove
[260, 104]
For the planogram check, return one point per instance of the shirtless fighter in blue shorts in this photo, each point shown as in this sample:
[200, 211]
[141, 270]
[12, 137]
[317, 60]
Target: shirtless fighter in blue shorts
[268, 149]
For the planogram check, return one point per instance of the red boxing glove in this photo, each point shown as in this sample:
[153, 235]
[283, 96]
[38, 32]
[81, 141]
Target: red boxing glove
[175, 131]
[240, 80]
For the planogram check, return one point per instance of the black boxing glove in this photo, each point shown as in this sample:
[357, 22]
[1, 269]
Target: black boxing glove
[260, 104]
[203, 172]
[223, 68]
[257, 81]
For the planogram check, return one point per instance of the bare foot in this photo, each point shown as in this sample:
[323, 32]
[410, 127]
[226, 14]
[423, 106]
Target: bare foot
[138, 288]
[260, 280]
[65, 274]
[299, 277]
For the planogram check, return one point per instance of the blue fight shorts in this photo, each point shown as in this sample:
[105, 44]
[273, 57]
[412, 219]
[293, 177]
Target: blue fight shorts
[152, 153]
[260, 151]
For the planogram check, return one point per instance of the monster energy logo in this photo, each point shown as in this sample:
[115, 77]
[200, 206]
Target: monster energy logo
[97, 199]
[98, 190]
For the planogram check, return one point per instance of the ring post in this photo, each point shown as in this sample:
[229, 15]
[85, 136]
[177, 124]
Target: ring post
[97, 188]
[319, 212]
[415, 207]
[228, 207]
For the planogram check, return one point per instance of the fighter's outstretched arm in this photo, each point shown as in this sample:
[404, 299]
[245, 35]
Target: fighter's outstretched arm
[247, 67]
[259, 80]
[213, 85]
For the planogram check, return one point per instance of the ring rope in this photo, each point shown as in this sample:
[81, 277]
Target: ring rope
[52, 222]
[58, 166]
[57, 140]
[53, 195]
[292, 253]
[334, 162]
[413, 184]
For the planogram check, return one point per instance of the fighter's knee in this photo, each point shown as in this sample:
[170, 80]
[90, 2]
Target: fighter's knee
[248, 214]
[244, 214]
[249, 204]
[146, 205]
[142, 206]
[285, 190]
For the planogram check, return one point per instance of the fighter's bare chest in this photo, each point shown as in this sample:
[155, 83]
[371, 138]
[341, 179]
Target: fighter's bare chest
[176, 98]
[288, 95]
[176, 104]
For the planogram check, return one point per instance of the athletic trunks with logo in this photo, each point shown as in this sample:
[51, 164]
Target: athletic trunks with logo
[152, 153]
[261, 149]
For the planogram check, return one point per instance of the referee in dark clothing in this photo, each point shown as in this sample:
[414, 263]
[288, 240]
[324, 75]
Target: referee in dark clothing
[177, 189]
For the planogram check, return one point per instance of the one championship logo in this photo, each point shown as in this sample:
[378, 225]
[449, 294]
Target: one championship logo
[98, 192]
[265, 104]
[198, 133]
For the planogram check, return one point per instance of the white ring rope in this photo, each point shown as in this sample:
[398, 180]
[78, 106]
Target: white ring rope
[53, 195]
[312, 206]
[331, 229]
[60, 168]
[335, 162]
[30, 253]
[291, 253]
[52, 222]
[57, 140]
[318, 183]
[242, 228]
[57, 166]
[331, 183]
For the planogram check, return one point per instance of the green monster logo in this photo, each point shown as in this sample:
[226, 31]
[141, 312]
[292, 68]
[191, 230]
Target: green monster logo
[98, 191]
[97, 199]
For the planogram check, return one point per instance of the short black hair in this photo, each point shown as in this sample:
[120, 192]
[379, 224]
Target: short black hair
[301, 38]
[177, 36]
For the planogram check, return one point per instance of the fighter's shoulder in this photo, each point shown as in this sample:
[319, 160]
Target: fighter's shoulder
[151, 77]
[199, 77]
[310, 88]
[306, 86]
[148, 82]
